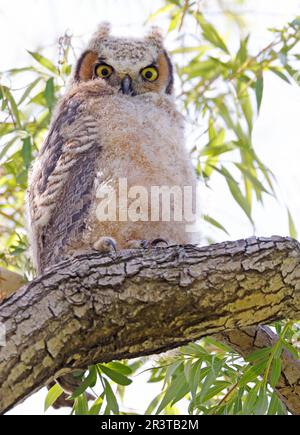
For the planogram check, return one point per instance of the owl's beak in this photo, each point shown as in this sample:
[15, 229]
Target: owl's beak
[126, 85]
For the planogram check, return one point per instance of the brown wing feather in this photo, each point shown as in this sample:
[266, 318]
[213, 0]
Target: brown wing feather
[69, 112]
[61, 183]
[69, 219]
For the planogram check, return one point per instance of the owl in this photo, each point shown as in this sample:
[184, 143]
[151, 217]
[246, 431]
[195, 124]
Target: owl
[116, 125]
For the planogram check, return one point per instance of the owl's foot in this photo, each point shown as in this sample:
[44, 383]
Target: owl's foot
[159, 243]
[105, 245]
[138, 244]
[145, 244]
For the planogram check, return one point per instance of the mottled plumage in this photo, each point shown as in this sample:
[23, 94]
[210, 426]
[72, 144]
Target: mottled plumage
[104, 129]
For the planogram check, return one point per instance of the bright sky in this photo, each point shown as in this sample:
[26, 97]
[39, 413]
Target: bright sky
[33, 24]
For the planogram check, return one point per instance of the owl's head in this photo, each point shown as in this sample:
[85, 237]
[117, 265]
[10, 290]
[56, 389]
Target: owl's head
[133, 66]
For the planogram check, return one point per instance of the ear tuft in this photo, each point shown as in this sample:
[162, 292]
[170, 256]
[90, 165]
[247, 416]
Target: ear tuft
[156, 35]
[103, 30]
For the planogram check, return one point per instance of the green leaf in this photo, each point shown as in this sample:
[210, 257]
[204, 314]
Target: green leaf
[292, 72]
[215, 223]
[4, 103]
[181, 50]
[266, 171]
[278, 327]
[6, 147]
[157, 375]
[53, 394]
[14, 71]
[242, 54]
[206, 69]
[292, 227]
[259, 355]
[42, 122]
[153, 404]
[115, 376]
[276, 407]
[66, 69]
[275, 371]
[97, 405]
[13, 105]
[192, 376]
[252, 177]
[26, 152]
[175, 22]
[245, 101]
[222, 346]
[236, 192]
[224, 112]
[22, 178]
[81, 405]
[173, 370]
[89, 381]
[215, 390]
[50, 93]
[111, 398]
[39, 99]
[273, 406]
[279, 73]
[217, 150]
[210, 378]
[252, 373]
[176, 391]
[238, 402]
[211, 34]
[46, 63]
[214, 148]
[29, 90]
[259, 89]
[120, 367]
[262, 403]
[251, 400]
[162, 10]
[290, 348]
[194, 349]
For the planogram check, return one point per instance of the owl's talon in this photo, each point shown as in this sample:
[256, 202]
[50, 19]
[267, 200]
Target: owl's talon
[138, 244]
[156, 243]
[106, 245]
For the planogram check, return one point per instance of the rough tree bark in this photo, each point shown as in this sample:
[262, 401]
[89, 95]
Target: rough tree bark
[95, 308]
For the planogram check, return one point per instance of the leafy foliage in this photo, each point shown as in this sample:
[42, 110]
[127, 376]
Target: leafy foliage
[222, 90]
[205, 377]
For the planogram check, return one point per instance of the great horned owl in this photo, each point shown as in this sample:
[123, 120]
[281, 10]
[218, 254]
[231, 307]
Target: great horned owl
[116, 121]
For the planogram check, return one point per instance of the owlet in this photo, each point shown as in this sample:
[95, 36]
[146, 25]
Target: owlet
[114, 149]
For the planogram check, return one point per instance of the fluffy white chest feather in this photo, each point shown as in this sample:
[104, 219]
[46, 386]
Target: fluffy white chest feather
[142, 143]
[142, 139]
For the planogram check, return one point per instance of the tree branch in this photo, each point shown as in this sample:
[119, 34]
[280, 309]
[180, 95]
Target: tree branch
[253, 338]
[95, 308]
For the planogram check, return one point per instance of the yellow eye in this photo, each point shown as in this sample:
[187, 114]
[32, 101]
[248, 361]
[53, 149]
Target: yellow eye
[150, 74]
[103, 71]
